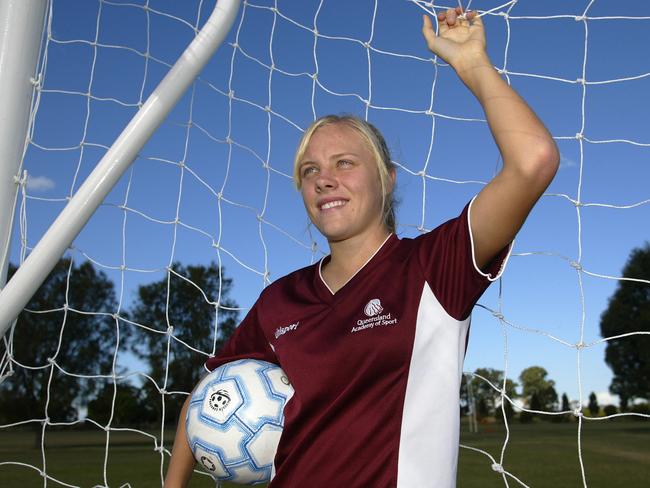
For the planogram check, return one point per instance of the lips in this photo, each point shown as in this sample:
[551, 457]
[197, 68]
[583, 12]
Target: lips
[331, 203]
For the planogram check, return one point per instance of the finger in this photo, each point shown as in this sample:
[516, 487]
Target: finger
[426, 23]
[474, 18]
[451, 17]
[427, 30]
[435, 44]
[442, 24]
[461, 14]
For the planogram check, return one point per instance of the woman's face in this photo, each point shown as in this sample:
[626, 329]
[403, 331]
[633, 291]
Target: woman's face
[341, 189]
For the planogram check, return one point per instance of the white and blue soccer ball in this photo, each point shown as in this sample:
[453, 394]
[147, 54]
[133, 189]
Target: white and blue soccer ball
[235, 419]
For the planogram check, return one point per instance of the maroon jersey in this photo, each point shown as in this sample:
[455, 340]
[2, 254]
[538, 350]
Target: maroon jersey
[376, 366]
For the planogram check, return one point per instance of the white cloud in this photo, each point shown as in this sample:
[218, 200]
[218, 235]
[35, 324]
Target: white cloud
[566, 162]
[39, 183]
[605, 398]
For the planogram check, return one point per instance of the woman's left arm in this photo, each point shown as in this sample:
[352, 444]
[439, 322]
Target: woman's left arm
[530, 156]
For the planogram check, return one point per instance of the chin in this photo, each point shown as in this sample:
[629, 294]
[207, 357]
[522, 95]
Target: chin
[340, 231]
[333, 236]
[333, 233]
[339, 235]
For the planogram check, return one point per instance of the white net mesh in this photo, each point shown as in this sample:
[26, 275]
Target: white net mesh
[213, 184]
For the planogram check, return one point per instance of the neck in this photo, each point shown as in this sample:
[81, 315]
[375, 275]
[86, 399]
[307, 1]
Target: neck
[349, 255]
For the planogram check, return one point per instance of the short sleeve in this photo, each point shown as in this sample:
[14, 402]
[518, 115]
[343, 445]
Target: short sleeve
[446, 256]
[247, 342]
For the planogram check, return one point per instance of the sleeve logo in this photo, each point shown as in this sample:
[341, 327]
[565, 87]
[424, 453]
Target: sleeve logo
[280, 331]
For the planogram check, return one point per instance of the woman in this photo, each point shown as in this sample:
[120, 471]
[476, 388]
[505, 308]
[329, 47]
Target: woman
[373, 337]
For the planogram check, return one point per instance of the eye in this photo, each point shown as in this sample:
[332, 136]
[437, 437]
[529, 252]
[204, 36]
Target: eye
[308, 170]
[344, 163]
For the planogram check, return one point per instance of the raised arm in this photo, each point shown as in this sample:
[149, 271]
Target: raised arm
[530, 156]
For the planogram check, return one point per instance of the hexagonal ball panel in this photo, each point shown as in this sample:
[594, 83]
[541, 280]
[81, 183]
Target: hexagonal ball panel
[221, 400]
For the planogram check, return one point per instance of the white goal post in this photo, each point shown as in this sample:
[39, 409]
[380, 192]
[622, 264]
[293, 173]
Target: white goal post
[22, 25]
[17, 292]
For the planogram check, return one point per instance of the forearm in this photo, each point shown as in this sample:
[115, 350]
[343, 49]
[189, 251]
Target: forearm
[182, 461]
[525, 144]
[530, 156]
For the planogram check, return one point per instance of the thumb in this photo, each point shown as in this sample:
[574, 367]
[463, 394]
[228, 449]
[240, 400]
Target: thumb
[436, 44]
[428, 32]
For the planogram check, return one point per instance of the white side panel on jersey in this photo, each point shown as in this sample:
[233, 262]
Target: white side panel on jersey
[428, 451]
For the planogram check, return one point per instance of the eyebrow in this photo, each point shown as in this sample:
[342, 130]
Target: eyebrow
[334, 156]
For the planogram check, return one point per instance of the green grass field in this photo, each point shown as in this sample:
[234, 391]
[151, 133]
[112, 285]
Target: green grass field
[615, 453]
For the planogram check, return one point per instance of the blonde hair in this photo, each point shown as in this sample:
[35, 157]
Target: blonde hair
[377, 145]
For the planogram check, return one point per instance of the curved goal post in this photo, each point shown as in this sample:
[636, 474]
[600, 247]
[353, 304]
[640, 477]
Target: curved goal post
[146, 200]
[124, 150]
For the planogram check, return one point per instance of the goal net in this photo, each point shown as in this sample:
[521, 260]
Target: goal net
[208, 213]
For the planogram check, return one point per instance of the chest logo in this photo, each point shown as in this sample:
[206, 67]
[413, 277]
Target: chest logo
[373, 308]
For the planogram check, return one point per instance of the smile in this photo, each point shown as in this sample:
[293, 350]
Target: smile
[335, 203]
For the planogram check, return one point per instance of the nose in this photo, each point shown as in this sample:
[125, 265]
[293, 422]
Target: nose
[326, 181]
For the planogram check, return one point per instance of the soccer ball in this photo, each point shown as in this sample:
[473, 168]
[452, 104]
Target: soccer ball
[235, 419]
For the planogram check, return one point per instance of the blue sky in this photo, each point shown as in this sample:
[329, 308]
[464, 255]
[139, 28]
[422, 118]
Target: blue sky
[540, 290]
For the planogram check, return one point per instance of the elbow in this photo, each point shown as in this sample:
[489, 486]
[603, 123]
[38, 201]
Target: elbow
[542, 164]
[550, 160]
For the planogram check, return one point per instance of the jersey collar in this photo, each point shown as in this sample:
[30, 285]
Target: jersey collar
[383, 246]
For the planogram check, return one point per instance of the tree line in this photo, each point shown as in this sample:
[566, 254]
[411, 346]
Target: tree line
[626, 324]
[80, 340]
[74, 324]
[481, 398]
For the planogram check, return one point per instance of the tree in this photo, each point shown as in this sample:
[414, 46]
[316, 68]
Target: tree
[629, 311]
[126, 402]
[593, 406]
[487, 399]
[482, 409]
[509, 411]
[565, 407]
[465, 400]
[185, 300]
[536, 387]
[54, 339]
[610, 410]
